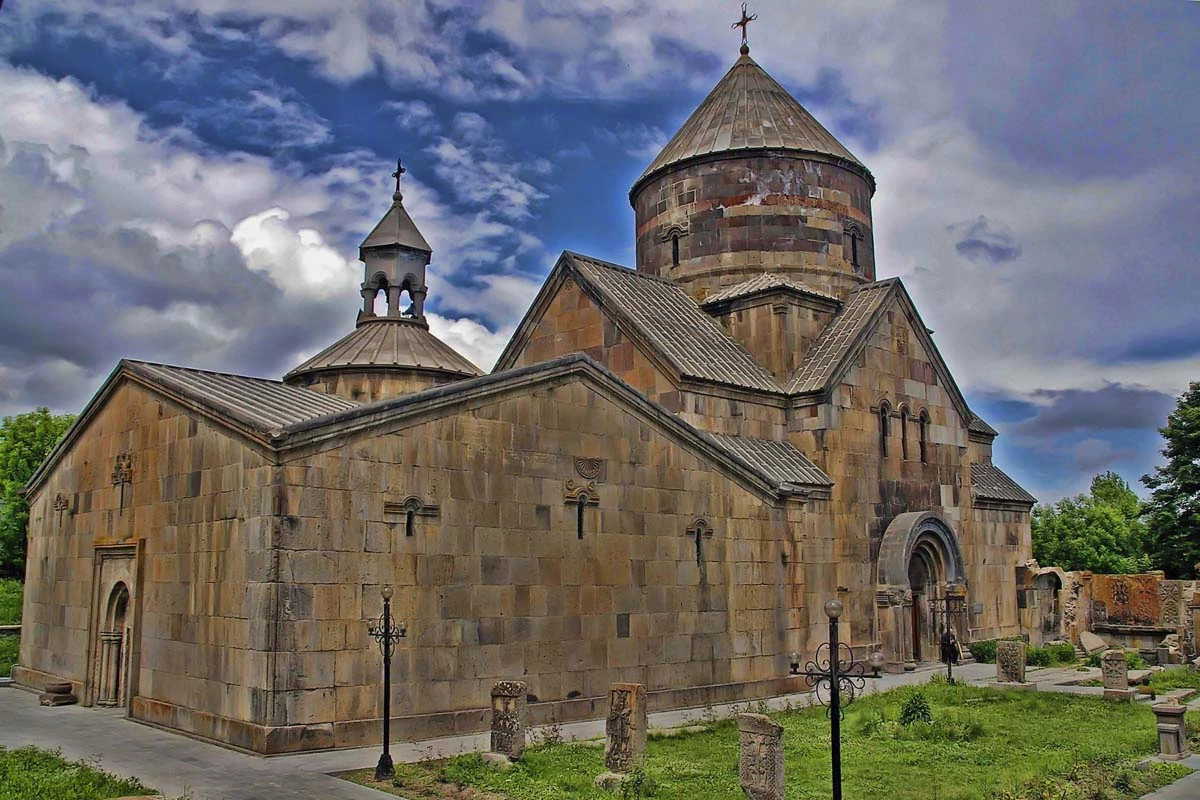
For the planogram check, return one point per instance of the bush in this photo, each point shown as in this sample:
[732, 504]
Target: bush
[1063, 653]
[1037, 656]
[916, 709]
[1135, 661]
[984, 652]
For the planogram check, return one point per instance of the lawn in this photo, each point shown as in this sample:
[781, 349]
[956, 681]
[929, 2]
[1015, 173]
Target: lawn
[32, 774]
[10, 614]
[983, 743]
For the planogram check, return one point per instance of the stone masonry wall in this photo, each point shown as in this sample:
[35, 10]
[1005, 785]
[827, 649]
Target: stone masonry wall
[498, 585]
[751, 214]
[198, 508]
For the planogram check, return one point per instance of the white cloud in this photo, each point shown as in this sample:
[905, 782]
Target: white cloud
[413, 115]
[479, 344]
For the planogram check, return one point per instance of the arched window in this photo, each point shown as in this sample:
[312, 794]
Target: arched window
[904, 432]
[885, 421]
[924, 420]
[410, 518]
[579, 515]
[675, 249]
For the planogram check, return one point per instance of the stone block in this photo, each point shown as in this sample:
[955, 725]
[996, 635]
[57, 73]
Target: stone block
[625, 727]
[1120, 695]
[508, 718]
[1091, 643]
[1115, 670]
[1172, 734]
[1010, 662]
[760, 757]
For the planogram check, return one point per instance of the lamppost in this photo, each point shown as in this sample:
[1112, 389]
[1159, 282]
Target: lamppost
[951, 607]
[834, 668]
[387, 635]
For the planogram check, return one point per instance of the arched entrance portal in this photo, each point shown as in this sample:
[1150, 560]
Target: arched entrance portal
[114, 651]
[921, 575]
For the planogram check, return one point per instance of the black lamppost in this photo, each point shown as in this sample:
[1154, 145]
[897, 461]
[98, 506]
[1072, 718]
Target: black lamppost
[834, 668]
[949, 608]
[387, 635]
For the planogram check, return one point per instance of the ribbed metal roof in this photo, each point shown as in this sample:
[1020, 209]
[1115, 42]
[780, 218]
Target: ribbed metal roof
[261, 404]
[763, 283]
[396, 228]
[838, 338]
[977, 425]
[748, 109]
[674, 325]
[988, 482]
[780, 460]
[389, 343]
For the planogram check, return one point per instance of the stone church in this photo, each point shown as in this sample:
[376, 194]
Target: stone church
[669, 471]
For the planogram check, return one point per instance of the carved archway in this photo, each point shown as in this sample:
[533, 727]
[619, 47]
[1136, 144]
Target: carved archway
[114, 651]
[920, 572]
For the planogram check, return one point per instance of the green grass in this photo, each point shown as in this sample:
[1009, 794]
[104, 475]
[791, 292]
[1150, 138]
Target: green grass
[10, 601]
[982, 743]
[1174, 678]
[32, 774]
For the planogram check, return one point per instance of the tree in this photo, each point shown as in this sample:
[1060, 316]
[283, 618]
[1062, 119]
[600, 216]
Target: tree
[1101, 531]
[1173, 510]
[25, 441]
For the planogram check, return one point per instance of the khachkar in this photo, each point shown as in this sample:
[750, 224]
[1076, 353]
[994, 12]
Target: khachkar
[625, 728]
[508, 719]
[1010, 662]
[760, 759]
[1115, 671]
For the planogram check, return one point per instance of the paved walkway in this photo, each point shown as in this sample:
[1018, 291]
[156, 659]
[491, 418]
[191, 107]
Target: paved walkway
[181, 766]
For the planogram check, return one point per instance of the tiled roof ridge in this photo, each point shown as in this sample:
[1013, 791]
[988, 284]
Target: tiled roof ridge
[600, 262]
[989, 482]
[768, 281]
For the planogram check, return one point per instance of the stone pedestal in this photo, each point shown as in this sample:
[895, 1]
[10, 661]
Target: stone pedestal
[760, 758]
[1115, 670]
[508, 718]
[58, 694]
[1172, 735]
[1010, 662]
[625, 728]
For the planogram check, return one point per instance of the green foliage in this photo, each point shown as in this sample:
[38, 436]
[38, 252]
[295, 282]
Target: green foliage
[1037, 656]
[9, 648]
[983, 651]
[1173, 510]
[1062, 653]
[32, 774]
[916, 709]
[983, 743]
[25, 440]
[1134, 660]
[1101, 531]
[1174, 678]
[637, 784]
[11, 591]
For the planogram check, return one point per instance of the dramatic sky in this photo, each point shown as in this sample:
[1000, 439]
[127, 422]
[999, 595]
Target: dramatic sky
[186, 181]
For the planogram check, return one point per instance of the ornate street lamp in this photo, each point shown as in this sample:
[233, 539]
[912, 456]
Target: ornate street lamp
[387, 635]
[832, 673]
[950, 608]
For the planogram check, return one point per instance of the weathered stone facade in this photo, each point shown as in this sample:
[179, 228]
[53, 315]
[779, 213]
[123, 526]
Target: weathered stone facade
[647, 489]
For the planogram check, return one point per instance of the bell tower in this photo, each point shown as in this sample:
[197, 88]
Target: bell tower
[395, 256]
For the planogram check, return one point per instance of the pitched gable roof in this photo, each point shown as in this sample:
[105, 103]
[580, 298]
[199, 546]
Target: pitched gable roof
[762, 283]
[830, 353]
[783, 462]
[660, 314]
[989, 482]
[396, 229]
[977, 425]
[255, 407]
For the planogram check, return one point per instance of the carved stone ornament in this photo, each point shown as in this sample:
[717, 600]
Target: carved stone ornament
[60, 502]
[760, 757]
[508, 718]
[625, 727]
[589, 469]
[574, 492]
[1010, 662]
[122, 469]
[414, 504]
[675, 229]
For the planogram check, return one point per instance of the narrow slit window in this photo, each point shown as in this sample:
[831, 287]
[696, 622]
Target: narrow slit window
[904, 433]
[410, 519]
[924, 420]
[675, 249]
[884, 427]
[579, 512]
[853, 249]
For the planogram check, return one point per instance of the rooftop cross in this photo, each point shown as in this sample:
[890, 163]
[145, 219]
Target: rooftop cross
[400, 170]
[743, 23]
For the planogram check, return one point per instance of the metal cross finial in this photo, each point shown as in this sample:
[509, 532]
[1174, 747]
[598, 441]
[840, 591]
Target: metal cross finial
[743, 23]
[400, 170]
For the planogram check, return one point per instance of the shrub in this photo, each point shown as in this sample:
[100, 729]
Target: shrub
[1135, 661]
[637, 784]
[916, 709]
[1063, 653]
[984, 652]
[1037, 656]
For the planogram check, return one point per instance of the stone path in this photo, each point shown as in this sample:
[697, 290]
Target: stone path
[179, 765]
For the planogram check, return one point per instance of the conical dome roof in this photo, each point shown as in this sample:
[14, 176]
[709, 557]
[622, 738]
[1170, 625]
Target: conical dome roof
[748, 110]
[389, 344]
